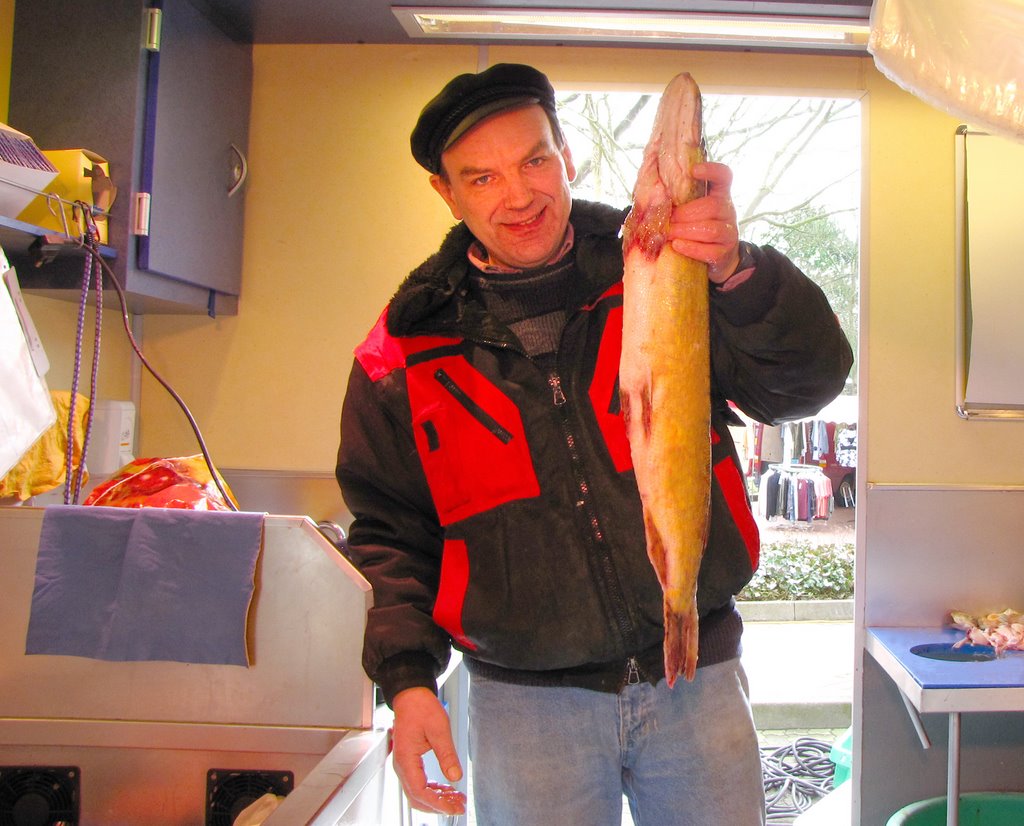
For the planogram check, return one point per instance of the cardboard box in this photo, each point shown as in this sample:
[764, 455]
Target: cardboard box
[24, 171]
[81, 176]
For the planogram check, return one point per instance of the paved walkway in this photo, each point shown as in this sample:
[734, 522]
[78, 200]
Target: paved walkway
[801, 673]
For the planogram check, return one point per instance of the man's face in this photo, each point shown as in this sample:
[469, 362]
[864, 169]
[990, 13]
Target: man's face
[509, 182]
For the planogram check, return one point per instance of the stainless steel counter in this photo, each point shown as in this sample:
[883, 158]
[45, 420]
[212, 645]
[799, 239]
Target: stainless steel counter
[149, 741]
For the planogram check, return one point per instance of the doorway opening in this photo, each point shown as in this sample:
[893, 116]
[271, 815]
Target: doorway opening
[796, 163]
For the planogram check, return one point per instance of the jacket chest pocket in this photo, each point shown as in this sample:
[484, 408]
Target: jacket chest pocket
[470, 439]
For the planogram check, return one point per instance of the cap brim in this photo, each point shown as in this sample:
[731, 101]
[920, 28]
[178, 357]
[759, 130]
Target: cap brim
[483, 112]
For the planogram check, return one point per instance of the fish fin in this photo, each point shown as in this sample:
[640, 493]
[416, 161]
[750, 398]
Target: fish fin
[680, 644]
[656, 550]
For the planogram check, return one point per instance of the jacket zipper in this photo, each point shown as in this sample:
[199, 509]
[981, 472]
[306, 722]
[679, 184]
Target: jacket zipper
[585, 502]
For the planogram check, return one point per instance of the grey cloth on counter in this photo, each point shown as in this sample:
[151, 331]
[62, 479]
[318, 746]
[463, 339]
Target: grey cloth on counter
[144, 584]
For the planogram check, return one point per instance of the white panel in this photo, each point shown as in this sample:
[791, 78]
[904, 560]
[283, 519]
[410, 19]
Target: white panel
[990, 172]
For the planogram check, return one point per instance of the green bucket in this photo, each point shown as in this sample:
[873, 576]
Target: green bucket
[842, 755]
[976, 809]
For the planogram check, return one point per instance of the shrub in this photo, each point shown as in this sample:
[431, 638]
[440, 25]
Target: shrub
[802, 570]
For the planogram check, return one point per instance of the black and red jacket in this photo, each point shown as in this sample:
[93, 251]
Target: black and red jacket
[494, 500]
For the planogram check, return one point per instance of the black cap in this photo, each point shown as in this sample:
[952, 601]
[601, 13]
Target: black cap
[468, 99]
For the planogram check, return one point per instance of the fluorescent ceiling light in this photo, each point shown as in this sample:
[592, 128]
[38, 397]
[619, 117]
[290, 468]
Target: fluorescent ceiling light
[765, 31]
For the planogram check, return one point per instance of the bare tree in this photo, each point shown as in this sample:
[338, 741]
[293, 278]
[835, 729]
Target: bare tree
[805, 212]
[766, 142]
[612, 162]
[740, 130]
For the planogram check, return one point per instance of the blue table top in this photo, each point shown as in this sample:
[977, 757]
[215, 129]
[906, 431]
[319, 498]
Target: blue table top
[923, 652]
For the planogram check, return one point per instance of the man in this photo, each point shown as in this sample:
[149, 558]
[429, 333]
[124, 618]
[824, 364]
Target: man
[484, 458]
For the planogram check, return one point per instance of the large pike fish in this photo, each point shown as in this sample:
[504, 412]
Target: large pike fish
[664, 373]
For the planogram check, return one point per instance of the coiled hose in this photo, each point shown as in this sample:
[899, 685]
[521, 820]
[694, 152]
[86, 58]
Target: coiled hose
[796, 776]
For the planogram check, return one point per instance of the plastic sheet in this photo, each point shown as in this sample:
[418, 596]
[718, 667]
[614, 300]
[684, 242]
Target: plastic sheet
[26, 410]
[180, 482]
[964, 58]
[44, 466]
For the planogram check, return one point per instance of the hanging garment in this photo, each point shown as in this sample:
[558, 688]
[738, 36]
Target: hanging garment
[820, 443]
[846, 447]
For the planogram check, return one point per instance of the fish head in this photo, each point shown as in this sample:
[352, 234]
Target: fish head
[665, 176]
[680, 144]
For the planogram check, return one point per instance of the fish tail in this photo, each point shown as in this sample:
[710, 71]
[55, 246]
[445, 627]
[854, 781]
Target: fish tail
[680, 644]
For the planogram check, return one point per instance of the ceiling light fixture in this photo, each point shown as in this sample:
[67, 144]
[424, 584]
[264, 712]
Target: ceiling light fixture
[736, 30]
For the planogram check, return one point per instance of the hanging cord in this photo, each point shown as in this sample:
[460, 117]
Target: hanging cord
[90, 242]
[91, 273]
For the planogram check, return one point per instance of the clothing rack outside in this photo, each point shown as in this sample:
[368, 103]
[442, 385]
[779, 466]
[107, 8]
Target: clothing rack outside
[794, 467]
[795, 492]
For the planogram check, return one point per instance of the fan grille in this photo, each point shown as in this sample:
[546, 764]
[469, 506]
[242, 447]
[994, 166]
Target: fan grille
[39, 795]
[229, 791]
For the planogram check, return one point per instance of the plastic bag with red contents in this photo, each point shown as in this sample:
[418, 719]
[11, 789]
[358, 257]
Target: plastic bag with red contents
[180, 482]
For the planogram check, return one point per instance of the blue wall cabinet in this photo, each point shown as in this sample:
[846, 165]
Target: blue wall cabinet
[162, 90]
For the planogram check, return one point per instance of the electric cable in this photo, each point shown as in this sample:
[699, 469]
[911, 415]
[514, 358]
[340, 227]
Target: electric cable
[90, 244]
[796, 776]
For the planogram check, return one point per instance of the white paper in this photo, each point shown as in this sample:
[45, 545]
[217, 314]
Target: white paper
[995, 203]
[26, 410]
[35, 344]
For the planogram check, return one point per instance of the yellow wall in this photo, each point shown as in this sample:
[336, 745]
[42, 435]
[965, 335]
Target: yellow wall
[337, 213]
[6, 28]
[56, 321]
[915, 435]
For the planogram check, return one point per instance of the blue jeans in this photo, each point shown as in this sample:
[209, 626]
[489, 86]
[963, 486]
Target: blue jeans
[686, 756]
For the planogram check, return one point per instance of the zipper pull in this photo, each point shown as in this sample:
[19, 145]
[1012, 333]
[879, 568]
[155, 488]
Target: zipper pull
[632, 672]
[555, 384]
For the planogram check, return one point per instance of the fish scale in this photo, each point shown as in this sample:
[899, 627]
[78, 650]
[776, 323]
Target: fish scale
[664, 370]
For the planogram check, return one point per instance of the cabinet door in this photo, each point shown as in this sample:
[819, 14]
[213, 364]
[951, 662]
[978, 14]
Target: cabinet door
[196, 131]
